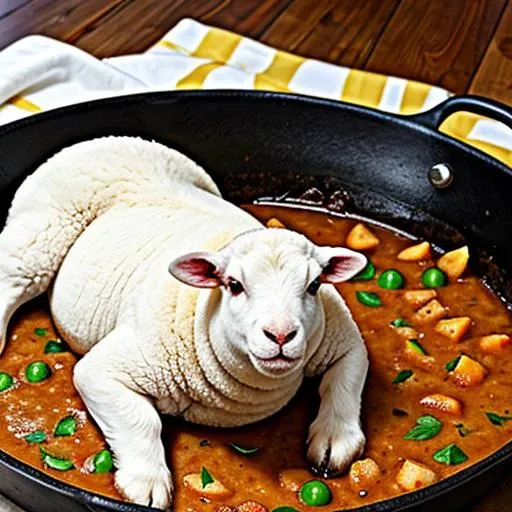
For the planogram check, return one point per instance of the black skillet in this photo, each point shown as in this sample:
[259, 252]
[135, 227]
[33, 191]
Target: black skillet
[264, 144]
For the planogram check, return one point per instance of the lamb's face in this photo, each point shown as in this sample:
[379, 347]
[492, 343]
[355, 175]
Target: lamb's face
[269, 280]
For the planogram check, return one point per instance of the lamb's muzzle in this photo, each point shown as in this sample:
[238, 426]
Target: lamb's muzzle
[223, 335]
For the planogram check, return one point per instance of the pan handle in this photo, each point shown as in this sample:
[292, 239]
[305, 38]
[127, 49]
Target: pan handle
[475, 104]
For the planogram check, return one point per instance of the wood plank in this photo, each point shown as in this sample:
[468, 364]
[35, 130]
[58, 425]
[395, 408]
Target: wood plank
[494, 76]
[296, 23]
[61, 20]
[436, 41]
[143, 22]
[347, 33]
[8, 7]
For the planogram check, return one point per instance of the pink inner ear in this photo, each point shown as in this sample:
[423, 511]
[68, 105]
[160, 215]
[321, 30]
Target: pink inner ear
[199, 272]
[342, 268]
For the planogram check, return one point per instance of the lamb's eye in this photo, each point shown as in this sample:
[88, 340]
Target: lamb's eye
[313, 286]
[235, 287]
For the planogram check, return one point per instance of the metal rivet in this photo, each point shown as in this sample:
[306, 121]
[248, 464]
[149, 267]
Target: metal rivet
[440, 175]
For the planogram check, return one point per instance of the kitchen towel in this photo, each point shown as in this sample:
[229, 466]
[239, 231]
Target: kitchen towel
[38, 74]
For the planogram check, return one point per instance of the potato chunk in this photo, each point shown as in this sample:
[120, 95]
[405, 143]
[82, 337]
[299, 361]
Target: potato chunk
[430, 312]
[454, 263]
[442, 403]
[213, 491]
[361, 238]
[416, 252]
[364, 474]
[414, 475]
[275, 223]
[417, 298]
[494, 343]
[453, 328]
[292, 479]
[468, 372]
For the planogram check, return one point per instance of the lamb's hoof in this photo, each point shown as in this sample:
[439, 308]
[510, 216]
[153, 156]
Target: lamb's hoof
[332, 452]
[323, 470]
[145, 486]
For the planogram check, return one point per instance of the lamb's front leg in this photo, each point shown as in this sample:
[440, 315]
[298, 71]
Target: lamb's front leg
[128, 420]
[335, 437]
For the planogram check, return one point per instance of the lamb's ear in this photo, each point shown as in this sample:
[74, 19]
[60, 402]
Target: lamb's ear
[199, 269]
[340, 264]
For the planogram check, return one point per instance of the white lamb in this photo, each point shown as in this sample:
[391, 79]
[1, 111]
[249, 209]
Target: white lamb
[222, 337]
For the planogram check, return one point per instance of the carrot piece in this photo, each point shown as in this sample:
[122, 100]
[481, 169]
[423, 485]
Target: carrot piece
[442, 403]
[453, 328]
[454, 263]
[275, 223]
[494, 342]
[430, 312]
[364, 474]
[414, 475]
[213, 490]
[417, 298]
[361, 238]
[468, 372]
[416, 252]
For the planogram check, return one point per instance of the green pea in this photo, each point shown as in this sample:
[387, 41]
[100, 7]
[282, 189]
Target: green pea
[285, 509]
[315, 493]
[103, 462]
[369, 299]
[366, 274]
[391, 279]
[433, 278]
[54, 347]
[37, 371]
[6, 381]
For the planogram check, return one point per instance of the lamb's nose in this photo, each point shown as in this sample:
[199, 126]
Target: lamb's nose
[280, 338]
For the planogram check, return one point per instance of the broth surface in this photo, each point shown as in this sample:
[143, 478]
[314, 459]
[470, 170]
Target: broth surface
[389, 410]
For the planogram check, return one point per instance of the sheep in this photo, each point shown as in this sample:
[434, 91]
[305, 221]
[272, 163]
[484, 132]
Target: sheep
[180, 302]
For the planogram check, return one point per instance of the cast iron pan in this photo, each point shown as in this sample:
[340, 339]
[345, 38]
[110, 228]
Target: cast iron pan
[264, 144]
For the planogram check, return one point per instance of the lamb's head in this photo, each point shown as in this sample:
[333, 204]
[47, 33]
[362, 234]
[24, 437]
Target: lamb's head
[269, 279]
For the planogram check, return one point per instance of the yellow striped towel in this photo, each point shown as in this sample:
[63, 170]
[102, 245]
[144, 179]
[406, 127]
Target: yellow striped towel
[195, 56]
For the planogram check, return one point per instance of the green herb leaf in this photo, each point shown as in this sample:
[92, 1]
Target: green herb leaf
[242, 450]
[57, 463]
[39, 331]
[54, 347]
[426, 427]
[36, 437]
[450, 455]
[206, 478]
[402, 376]
[400, 322]
[450, 365]
[462, 430]
[370, 299]
[65, 427]
[415, 346]
[496, 419]
[366, 274]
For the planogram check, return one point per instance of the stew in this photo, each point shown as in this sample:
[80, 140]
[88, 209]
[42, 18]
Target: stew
[438, 397]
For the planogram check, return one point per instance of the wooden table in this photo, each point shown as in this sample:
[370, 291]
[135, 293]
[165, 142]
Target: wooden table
[462, 45]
